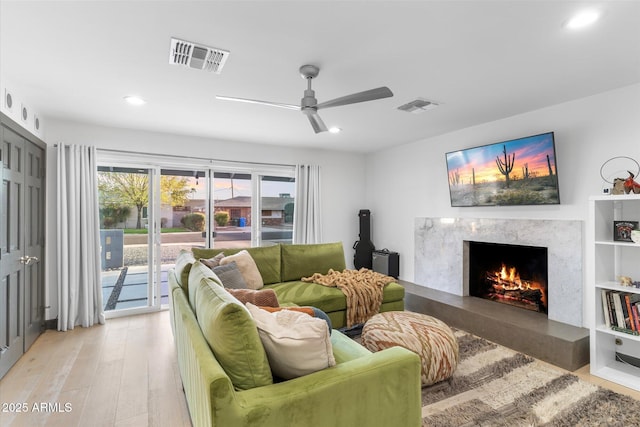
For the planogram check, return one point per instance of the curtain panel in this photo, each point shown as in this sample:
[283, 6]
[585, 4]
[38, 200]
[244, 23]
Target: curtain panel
[79, 285]
[307, 209]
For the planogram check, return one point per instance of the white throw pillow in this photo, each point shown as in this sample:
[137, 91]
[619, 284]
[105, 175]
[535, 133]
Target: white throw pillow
[247, 267]
[296, 343]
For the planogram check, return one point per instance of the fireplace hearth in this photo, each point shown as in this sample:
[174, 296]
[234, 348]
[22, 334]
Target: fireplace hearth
[509, 274]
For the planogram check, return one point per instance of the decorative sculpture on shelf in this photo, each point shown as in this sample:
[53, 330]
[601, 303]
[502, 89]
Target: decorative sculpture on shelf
[611, 172]
[631, 186]
[628, 281]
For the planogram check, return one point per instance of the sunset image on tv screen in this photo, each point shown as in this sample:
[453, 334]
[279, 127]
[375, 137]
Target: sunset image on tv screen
[515, 172]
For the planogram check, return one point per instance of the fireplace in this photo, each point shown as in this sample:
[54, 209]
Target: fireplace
[510, 274]
[441, 257]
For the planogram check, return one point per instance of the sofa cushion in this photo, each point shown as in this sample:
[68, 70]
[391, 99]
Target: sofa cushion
[230, 276]
[197, 272]
[247, 267]
[304, 260]
[296, 344]
[212, 262]
[232, 335]
[302, 293]
[183, 267]
[262, 297]
[393, 292]
[267, 258]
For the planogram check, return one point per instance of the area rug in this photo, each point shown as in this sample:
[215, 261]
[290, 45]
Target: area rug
[496, 386]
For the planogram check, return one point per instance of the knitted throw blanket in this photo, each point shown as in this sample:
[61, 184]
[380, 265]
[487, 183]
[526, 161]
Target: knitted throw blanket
[362, 288]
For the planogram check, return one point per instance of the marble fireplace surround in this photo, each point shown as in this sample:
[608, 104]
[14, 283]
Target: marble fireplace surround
[440, 255]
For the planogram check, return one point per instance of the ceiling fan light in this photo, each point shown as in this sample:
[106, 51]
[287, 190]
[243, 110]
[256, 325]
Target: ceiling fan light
[335, 129]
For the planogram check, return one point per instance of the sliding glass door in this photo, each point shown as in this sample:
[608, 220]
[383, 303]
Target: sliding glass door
[183, 219]
[125, 198]
[232, 205]
[252, 209]
[276, 209]
[149, 212]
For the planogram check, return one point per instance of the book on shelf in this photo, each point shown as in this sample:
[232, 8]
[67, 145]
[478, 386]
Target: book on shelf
[621, 311]
[630, 301]
[606, 308]
[617, 301]
[612, 308]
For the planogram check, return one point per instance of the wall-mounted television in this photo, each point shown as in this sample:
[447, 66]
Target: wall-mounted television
[520, 171]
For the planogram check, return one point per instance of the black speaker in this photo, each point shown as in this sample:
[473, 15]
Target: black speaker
[386, 262]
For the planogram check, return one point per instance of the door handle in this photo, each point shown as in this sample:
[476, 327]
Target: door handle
[27, 260]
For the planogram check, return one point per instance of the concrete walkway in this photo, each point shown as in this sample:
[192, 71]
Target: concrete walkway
[127, 287]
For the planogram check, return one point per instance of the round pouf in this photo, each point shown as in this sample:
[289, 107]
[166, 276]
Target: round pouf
[426, 336]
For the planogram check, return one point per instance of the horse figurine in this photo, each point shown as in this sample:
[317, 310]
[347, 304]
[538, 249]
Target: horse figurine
[631, 186]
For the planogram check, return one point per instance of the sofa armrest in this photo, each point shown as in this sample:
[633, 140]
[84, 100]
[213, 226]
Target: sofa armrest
[346, 349]
[381, 389]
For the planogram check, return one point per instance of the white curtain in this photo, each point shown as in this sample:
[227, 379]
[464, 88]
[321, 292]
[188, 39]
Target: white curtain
[79, 286]
[307, 210]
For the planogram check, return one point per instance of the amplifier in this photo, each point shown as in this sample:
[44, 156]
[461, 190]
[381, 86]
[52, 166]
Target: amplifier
[386, 262]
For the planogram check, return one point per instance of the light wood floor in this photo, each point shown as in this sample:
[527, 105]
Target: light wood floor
[123, 373]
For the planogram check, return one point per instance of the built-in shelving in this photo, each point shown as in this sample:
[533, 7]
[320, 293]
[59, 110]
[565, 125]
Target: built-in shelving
[607, 260]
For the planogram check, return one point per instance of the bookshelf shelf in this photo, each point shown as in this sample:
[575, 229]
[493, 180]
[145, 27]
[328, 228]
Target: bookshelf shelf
[603, 328]
[616, 286]
[614, 353]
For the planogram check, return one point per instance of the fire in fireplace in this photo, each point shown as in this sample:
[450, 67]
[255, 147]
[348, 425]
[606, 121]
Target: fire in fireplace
[510, 274]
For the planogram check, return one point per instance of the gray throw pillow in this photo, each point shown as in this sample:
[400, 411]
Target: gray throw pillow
[212, 262]
[230, 276]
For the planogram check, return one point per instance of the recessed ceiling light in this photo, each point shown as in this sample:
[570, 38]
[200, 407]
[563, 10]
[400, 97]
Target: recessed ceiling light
[582, 19]
[135, 100]
[335, 129]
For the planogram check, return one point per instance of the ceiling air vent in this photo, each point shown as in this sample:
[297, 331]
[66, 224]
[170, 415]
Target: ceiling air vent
[418, 106]
[188, 54]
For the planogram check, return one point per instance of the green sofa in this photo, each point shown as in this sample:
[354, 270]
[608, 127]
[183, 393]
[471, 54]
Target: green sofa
[282, 267]
[369, 389]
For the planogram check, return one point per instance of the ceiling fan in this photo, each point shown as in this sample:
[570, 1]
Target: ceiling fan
[309, 104]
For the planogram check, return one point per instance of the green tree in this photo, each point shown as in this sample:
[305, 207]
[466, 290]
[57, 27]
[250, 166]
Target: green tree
[174, 190]
[132, 189]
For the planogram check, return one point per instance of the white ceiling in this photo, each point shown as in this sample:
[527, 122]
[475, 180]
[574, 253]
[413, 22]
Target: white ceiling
[481, 60]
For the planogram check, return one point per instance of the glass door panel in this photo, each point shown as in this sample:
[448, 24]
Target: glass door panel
[232, 204]
[124, 200]
[276, 209]
[183, 218]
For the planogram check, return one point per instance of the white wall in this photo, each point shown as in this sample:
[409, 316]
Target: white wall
[343, 174]
[411, 180]
[401, 183]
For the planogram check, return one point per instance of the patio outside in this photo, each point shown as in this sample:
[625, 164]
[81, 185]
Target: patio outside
[127, 286]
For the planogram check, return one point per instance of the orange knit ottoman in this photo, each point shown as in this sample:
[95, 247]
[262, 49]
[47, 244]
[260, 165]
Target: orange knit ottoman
[426, 336]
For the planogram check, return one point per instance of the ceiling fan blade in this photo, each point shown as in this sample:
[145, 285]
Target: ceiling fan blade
[317, 123]
[255, 101]
[367, 95]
